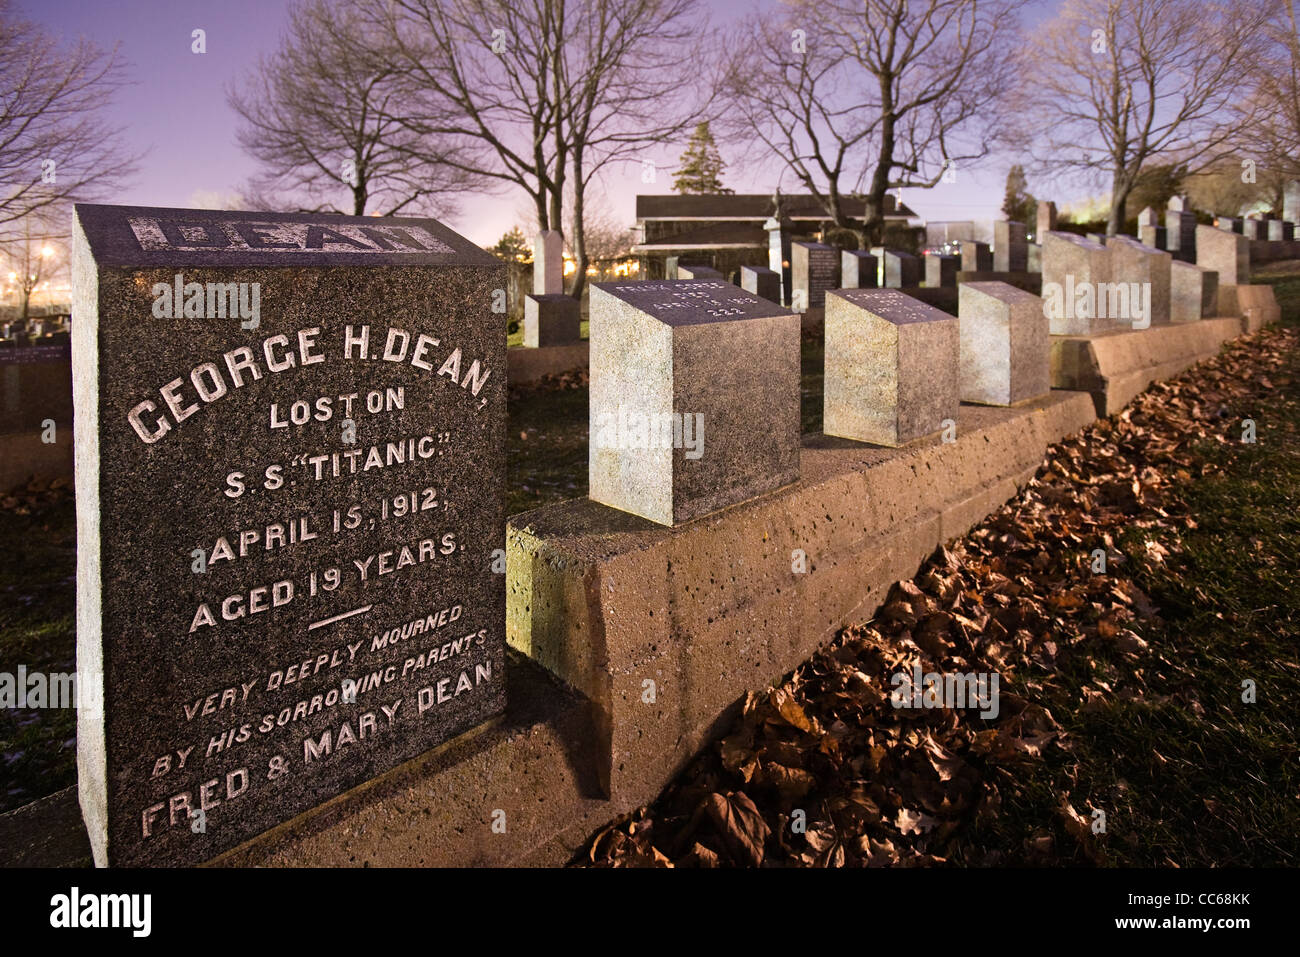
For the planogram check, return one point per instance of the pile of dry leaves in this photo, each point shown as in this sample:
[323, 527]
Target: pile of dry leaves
[825, 771]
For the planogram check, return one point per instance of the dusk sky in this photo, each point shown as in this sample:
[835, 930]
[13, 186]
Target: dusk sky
[176, 110]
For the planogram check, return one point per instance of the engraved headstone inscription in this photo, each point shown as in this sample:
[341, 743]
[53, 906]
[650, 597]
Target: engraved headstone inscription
[290, 450]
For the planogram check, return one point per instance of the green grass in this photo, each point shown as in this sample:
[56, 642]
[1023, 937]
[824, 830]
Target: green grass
[1189, 773]
[37, 590]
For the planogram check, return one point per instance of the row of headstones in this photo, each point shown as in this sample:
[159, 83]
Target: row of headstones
[35, 327]
[1087, 275]
[896, 370]
[813, 270]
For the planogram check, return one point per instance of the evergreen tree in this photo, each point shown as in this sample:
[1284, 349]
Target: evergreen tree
[701, 166]
[513, 246]
[1019, 205]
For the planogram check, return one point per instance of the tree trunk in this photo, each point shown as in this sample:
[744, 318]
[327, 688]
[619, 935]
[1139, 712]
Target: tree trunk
[578, 238]
[1120, 186]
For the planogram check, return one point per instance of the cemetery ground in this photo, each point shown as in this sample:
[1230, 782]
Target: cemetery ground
[1120, 693]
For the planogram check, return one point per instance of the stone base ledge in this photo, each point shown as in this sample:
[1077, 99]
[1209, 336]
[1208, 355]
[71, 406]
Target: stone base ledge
[664, 629]
[526, 365]
[1115, 366]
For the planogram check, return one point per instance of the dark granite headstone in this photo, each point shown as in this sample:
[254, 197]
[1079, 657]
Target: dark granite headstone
[859, 269]
[902, 269]
[941, 270]
[814, 269]
[762, 282]
[1010, 252]
[286, 514]
[977, 257]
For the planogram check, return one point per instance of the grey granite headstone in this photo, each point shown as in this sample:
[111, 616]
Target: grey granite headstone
[1277, 230]
[548, 263]
[1009, 252]
[1193, 292]
[289, 494]
[1005, 344]
[670, 267]
[1255, 228]
[890, 367]
[1227, 253]
[814, 269]
[762, 282]
[976, 257]
[1147, 217]
[1132, 262]
[1154, 236]
[551, 320]
[941, 270]
[1034, 257]
[1046, 220]
[694, 400]
[1180, 230]
[901, 269]
[698, 272]
[1230, 224]
[1291, 201]
[1075, 272]
[1178, 204]
[859, 269]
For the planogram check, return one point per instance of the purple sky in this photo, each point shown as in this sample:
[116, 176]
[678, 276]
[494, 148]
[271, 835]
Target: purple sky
[176, 109]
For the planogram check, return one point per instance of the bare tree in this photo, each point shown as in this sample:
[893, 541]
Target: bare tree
[1112, 86]
[860, 98]
[555, 90]
[54, 147]
[319, 116]
[32, 254]
[1274, 104]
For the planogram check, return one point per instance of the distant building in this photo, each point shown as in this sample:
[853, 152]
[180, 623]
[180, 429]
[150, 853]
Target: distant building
[726, 232]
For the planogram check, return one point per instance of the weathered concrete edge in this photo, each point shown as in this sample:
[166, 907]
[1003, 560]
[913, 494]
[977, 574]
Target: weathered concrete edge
[1115, 366]
[711, 609]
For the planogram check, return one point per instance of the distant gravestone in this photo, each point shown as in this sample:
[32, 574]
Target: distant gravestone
[1180, 228]
[1291, 201]
[548, 263]
[901, 269]
[1046, 220]
[550, 317]
[1009, 247]
[670, 267]
[1255, 229]
[1277, 230]
[1005, 344]
[1227, 253]
[698, 272]
[551, 320]
[813, 271]
[1034, 257]
[890, 367]
[859, 269]
[1230, 224]
[1147, 217]
[1154, 236]
[1193, 292]
[762, 282]
[941, 270]
[1074, 271]
[1133, 262]
[290, 463]
[976, 257]
[677, 372]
